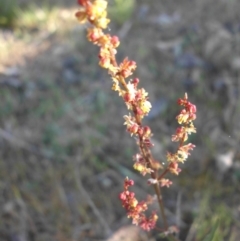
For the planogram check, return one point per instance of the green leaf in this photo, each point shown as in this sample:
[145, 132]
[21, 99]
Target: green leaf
[210, 236]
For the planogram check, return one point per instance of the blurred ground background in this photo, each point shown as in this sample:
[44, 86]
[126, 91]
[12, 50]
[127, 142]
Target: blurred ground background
[64, 151]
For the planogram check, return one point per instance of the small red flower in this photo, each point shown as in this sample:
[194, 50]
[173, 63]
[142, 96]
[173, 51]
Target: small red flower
[83, 2]
[94, 34]
[115, 41]
[127, 67]
[173, 168]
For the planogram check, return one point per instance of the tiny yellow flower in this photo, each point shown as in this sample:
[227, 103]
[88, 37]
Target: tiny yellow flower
[145, 106]
[102, 22]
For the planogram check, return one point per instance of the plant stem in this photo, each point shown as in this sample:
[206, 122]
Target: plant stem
[163, 174]
[157, 189]
[147, 155]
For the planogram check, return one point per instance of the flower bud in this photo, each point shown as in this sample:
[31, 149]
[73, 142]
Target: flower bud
[105, 62]
[115, 41]
[139, 111]
[146, 131]
[122, 196]
[135, 81]
[133, 129]
[140, 131]
[127, 97]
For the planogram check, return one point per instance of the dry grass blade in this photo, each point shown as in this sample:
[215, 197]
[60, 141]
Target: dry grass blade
[85, 194]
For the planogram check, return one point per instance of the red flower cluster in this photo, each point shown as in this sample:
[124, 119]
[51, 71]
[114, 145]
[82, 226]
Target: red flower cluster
[135, 209]
[188, 114]
[185, 118]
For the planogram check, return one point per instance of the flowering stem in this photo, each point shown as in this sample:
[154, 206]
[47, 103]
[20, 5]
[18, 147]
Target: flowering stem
[157, 188]
[136, 99]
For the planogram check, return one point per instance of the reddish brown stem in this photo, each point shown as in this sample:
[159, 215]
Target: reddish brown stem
[157, 189]
[163, 174]
[146, 154]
